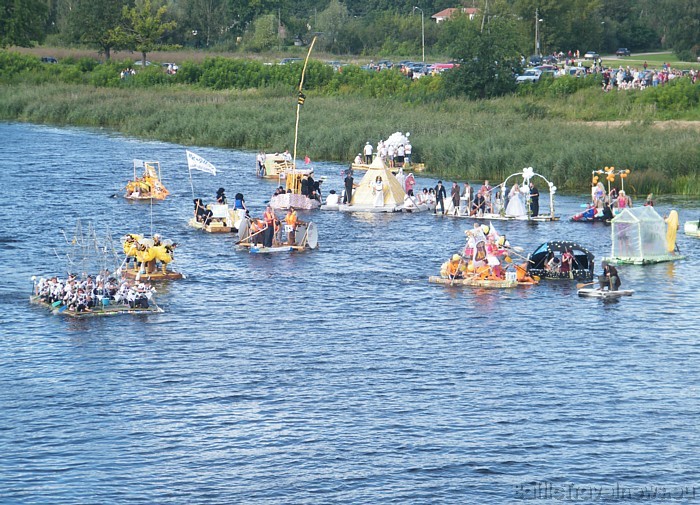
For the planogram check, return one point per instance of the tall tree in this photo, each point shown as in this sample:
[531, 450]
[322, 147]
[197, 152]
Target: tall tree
[96, 23]
[145, 26]
[206, 17]
[22, 22]
[488, 55]
[331, 22]
[683, 31]
[265, 33]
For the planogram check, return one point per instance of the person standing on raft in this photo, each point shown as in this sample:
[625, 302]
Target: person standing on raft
[440, 195]
[610, 278]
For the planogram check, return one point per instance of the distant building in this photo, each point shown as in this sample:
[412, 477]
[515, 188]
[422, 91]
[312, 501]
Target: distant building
[448, 13]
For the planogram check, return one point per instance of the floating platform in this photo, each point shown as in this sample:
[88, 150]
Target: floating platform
[644, 261]
[690, 228]
[480, 283]
[492, 216]
[604, 293]
[109, 309]
[156, 275]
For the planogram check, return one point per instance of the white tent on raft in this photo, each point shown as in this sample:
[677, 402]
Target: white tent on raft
[363, 197]
[640, 236]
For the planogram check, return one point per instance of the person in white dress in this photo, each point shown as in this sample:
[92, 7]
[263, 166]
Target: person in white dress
[516, 206]
[378, 187]
[401, 177]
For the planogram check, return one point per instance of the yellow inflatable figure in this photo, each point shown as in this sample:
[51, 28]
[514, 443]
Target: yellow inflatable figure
[131, 245]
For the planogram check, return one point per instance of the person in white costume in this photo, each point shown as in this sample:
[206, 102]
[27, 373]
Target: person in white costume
[378, 188]
[516, 206]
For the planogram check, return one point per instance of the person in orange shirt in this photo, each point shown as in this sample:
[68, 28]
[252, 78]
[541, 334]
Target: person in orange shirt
[291, 220]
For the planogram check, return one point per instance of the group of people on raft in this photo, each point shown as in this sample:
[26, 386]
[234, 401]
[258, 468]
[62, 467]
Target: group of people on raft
[483, 258]
[146, 186]
[270, 231]
[309, 188]
[148, 253]
[203, 213]
[604, 205]
[90, 292]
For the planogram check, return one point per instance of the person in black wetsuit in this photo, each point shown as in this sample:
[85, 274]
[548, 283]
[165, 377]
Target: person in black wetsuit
[610, 278]
[349, 186]
[440, 195]
[534, 200]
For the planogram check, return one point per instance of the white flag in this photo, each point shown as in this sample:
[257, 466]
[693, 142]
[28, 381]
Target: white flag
[198, 163]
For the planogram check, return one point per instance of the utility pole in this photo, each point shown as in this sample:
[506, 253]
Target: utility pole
[422, 29]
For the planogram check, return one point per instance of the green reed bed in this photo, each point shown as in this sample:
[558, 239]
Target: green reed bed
[457, 139]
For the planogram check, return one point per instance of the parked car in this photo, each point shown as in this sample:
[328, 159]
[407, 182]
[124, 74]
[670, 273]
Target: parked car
[534, 60]
[623, 51]
[138, 63]
[48, 59]
[382, 64]
[534, 75]
[550, 59]
[575, 72]
[591, 55]
[288, 61]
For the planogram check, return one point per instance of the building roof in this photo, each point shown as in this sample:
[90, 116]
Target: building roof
[447, 13]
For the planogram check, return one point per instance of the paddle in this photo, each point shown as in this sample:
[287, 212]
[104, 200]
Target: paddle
[56, 303]
[582, 285]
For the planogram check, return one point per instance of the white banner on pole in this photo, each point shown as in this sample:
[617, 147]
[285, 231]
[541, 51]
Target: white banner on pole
[195, 162]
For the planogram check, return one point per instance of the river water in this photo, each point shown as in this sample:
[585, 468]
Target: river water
[336, 376]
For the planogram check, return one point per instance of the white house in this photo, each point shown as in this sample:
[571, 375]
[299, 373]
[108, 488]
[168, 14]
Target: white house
[448, 13]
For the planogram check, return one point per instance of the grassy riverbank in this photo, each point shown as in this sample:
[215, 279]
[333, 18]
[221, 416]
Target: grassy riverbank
[457, 139]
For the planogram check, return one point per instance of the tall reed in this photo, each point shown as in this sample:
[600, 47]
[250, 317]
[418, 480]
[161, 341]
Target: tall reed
[456, 139]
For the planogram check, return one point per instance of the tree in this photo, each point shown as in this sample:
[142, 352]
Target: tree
[145, 27]
[243, 12]
[331, 22]
[265, 33]
[22, 22]
[683, 31]
[206, 17]
[96, 23]
[488, 57]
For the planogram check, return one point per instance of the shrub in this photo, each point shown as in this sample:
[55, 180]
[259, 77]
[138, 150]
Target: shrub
[12, 64]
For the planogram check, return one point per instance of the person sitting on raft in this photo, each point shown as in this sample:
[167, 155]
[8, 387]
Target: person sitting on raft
[239, 202]
[610, 278]
[454, 268]
[221, 196]
[201, 213]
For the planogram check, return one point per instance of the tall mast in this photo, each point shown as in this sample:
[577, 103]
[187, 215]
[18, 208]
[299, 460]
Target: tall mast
[300, 101]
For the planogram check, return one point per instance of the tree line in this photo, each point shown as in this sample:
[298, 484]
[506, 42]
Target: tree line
[361, 27]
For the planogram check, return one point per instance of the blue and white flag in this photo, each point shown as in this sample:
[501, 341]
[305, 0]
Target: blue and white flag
[195, 162]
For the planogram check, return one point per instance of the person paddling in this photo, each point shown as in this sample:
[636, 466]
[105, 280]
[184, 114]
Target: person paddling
[610, 278]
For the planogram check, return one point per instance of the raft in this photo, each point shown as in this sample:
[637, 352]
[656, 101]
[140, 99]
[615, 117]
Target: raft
[475, 282]
[412, 167]
[691, 229]
[157, 275]
[110, 309]
[644, 261]
[600, 293]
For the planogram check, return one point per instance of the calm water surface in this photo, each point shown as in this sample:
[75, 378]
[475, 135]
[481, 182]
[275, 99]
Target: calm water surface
[339, 375]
